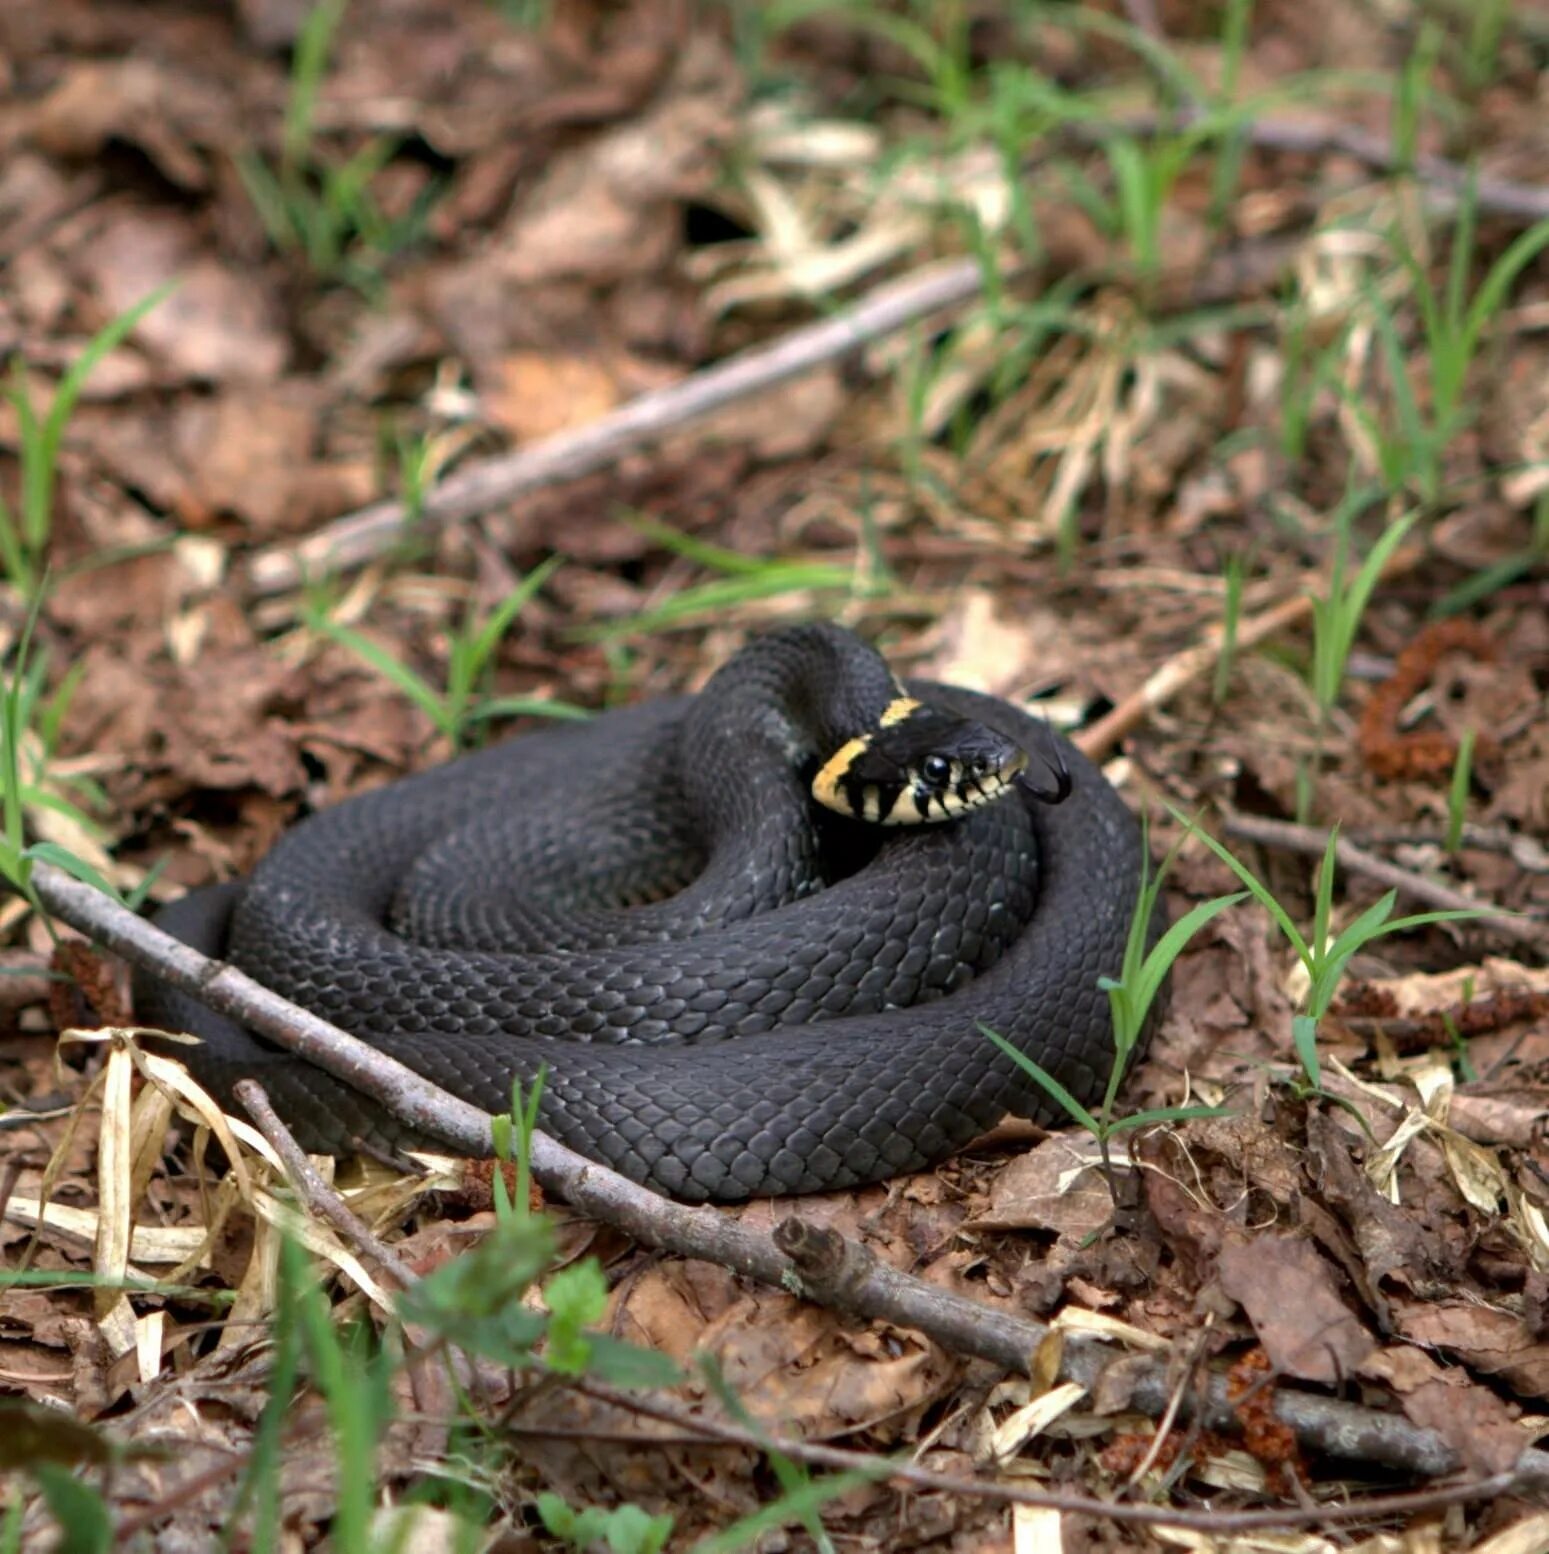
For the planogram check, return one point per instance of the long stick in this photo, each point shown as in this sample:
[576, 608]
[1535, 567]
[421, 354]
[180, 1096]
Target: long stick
[374, 530]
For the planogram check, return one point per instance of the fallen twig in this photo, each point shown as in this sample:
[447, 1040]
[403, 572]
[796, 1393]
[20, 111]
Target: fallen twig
[868, 1288]
[905, 1472]
[430, 1387]
[1313, 840]
[820, 1255]
[1497, 196]
[313, 1191]
[373, 530]
[1098, 741]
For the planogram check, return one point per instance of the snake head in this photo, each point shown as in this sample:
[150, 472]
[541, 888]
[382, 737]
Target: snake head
[919, 765]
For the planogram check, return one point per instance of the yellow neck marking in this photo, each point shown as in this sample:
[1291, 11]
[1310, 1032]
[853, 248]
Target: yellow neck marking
[825, 786]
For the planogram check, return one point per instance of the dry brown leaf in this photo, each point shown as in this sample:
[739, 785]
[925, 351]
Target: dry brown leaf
[1494, 1341]
[219, 324]
[1054, 1187]
[608, 208]
[1470, 1418]
[535, 394]
[1292, 1299]
[139, 100]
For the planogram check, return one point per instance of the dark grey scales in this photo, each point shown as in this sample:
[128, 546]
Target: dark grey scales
[736, 992]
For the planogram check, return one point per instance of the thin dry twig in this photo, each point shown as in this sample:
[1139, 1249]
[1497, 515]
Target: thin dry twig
[903, 1471]
[313, 1191]
[1446, 180]
[1098, 741]
[374, 530]
[1313, 840]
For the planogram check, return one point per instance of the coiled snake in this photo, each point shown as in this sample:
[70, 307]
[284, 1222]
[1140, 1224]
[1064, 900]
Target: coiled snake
[736, 990]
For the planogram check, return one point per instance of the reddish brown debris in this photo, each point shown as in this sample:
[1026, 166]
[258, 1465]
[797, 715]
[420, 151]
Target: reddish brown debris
[86, 991]
[1367, 1003]
[1391, 753]
[1267, 1438]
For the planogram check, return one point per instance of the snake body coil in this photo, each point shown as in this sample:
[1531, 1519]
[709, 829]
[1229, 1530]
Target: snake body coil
[736, 991]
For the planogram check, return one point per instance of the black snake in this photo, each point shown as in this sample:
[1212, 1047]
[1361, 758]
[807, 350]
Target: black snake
[736, 990]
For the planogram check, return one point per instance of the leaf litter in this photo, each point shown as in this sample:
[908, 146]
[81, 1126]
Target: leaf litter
[561, 272]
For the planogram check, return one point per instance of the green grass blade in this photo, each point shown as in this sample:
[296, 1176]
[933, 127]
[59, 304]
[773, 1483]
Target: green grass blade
[1128, 1124]
[1167, 949]
[1256, 887]
[686, 608]
[310, 61]
[1457, 791]
[77, 868]
[528, 707]
[500, 618]
[1035, 1071]
[1304, 1037]
[1323, 900]
[795, 1505]
[108, 338]
[413, 685]
[716, 558]
[1491, 296]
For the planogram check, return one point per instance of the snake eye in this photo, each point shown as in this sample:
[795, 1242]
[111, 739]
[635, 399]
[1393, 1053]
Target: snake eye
[936, 770]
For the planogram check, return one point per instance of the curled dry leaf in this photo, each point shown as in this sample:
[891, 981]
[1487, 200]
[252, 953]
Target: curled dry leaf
[1470, 1418]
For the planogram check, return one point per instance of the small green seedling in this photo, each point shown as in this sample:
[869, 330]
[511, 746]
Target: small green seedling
[743, 580]
[461, 708]
[626, 1529]
[30, 721]
[1457, 794]
[322, 210]
[25, 530]
[1336, 618]
[1324, 958]
[801, 1496]
[1130, 998]
[1413, 441]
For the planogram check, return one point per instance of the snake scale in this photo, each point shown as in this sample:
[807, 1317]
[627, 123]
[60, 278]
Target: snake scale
[737, 991]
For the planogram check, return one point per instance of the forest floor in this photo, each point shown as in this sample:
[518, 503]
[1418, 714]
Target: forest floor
[1251, 309]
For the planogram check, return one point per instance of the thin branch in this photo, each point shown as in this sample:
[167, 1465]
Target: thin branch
[858, 1285]
[1098, 741]
[313, 1191]
[902, 1471]
[374, 530]
[1313, 840]
[1527, 202]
